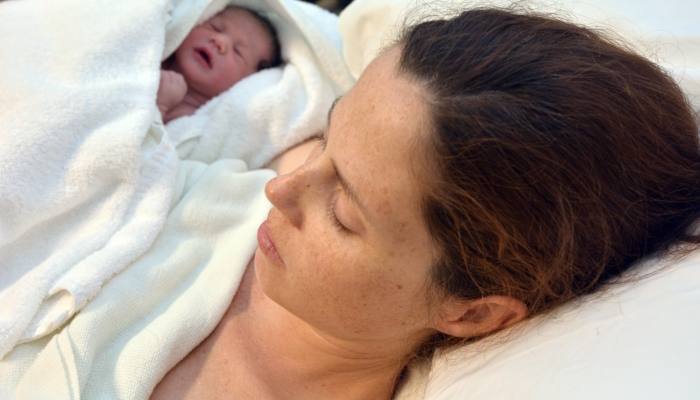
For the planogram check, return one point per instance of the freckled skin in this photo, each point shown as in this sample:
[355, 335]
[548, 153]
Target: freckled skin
[370, 283]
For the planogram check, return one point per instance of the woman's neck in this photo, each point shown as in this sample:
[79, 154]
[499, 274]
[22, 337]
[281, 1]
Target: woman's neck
[295, 361]
[260, 350]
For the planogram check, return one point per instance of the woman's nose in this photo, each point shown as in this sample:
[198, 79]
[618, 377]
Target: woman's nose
[284, 192]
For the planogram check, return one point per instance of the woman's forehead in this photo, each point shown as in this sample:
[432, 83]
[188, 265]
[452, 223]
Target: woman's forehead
[378, 124]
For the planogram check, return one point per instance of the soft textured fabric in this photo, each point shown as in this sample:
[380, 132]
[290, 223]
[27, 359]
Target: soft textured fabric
[153, 313]
[90, 180]
[270, 111]
[86, 178]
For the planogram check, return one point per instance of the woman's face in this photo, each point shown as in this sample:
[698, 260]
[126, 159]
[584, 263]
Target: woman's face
[345, 247]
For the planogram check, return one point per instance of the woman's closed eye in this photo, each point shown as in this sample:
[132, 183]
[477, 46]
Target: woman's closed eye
[334, 218]
[331, 206]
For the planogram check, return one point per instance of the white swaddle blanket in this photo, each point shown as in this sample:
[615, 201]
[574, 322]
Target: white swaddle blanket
[153, 313]
[268, 112]
[86, 180]
[86, 176]
[96, 211]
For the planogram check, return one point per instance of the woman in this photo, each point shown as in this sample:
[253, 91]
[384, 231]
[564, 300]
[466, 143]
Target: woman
[484, 170]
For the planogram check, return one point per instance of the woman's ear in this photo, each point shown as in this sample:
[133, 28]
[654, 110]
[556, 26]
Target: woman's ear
[470, 318]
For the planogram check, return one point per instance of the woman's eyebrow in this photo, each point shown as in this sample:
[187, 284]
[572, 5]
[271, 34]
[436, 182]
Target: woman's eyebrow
[349, 191]
[330, 110]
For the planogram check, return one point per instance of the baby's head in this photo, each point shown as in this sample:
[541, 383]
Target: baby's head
[226, 48]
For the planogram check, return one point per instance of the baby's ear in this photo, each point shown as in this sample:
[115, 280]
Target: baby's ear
[471, 318]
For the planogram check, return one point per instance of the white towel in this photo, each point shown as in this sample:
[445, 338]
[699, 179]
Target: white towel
[272, 110]
[86, 179]
[164, 302]
[153, 313]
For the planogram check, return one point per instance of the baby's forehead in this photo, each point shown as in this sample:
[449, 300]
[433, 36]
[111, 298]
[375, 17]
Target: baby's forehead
[253, 23]
[233, 12]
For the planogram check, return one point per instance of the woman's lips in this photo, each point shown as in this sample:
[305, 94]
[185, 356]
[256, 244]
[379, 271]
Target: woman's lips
[267, 245]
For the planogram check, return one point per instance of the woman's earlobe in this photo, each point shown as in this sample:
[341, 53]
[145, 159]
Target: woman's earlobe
[470, 318]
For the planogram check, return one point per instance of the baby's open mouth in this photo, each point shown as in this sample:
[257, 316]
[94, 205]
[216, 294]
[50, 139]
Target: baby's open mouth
[205, 57]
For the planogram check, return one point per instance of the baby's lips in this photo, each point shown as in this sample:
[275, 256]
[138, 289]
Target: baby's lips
[205, 56]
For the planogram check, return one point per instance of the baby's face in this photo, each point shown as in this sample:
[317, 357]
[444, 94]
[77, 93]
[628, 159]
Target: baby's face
[222, 51]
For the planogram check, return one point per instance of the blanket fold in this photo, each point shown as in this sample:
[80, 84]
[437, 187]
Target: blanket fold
[153, 313]
[86, 178]
[117, 258]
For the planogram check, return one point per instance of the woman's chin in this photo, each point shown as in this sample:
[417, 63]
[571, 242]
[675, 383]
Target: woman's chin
[263, 274]
[259, 265]
[266, 277]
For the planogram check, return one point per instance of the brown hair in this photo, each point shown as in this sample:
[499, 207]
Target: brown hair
[561, 158]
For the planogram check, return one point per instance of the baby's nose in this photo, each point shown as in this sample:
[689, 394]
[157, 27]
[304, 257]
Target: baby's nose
[222, 43]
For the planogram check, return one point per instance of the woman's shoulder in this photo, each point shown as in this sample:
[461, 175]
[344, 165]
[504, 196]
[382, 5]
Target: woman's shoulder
[218, 365]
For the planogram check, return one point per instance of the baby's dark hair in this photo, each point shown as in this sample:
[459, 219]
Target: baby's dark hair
[276, 49]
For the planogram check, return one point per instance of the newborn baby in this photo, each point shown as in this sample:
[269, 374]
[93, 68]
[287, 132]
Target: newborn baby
[231, 45]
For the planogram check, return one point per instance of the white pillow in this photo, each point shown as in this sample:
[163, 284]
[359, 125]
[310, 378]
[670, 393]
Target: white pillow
[639, 340]
[668, 32]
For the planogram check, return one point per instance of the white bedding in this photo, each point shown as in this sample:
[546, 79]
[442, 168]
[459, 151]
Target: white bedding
[86, 178]
[152, 314]
[96, 211]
